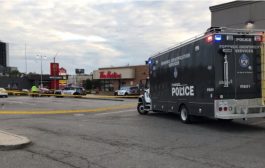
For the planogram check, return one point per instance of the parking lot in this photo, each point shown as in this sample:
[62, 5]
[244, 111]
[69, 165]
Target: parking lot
[72, 132]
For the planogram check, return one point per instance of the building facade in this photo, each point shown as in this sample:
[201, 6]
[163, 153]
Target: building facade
[239, 14]
[78, 80]
[4, 61]
[113, 78]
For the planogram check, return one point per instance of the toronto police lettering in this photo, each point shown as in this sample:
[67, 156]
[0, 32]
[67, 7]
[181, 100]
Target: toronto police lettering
[182, 90]
[241, 48]
[175, 61]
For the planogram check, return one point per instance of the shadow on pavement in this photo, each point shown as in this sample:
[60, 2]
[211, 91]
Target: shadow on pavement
[236, 126]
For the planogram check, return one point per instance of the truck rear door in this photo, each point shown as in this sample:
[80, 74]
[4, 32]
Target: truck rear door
[238, 67]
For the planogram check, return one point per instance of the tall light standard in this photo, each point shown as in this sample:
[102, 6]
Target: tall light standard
[41, 57]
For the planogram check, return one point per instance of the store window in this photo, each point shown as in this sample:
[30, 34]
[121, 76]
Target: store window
[107, 85]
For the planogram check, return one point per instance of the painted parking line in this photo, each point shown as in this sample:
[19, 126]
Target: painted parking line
[33, 112]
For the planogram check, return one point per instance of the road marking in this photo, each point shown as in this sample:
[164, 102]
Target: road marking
[19, 93]
[33, 112]
[79, 115]
[116, 112]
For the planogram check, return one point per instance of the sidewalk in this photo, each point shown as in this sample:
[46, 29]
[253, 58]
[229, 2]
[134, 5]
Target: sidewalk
[9, 141]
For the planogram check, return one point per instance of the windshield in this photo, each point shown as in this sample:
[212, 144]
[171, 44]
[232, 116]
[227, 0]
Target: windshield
[124, 88]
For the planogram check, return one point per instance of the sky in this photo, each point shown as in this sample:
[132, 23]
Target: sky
[89, 34]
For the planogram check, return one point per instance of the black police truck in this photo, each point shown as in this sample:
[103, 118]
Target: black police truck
[217, 75]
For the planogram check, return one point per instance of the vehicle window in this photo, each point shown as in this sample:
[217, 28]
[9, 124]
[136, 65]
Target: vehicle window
[124, 88]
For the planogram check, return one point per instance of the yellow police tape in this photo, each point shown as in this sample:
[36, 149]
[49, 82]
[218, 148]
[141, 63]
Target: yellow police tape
[20, 93]
[37, 112]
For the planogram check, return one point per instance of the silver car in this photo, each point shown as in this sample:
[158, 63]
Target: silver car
[127, 90]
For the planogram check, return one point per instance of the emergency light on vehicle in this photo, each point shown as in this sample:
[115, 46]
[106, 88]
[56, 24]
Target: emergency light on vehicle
[258, 38]
[218, 37]
[209, 39]
[149, 61]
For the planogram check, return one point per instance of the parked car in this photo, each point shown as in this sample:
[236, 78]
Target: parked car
[3, 92]
[127, 90]
[70, 91]
[23, 92]
[45, 92]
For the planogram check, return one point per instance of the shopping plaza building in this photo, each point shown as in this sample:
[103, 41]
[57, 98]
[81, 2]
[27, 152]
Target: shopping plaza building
[112, 78]
[239, 14]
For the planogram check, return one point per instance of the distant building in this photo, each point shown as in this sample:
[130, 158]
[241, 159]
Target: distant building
[239, 14]
[112, 78]
[4, 54]
[78, 80]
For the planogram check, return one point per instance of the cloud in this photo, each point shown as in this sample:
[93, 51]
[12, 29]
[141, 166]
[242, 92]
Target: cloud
[98, 33]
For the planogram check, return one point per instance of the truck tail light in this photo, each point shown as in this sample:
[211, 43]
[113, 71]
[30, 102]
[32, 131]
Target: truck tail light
[220, 109]
[225, 108]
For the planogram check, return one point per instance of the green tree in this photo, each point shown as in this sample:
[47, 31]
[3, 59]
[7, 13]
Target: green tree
[95, 83]
[87, 84]
[14, 73]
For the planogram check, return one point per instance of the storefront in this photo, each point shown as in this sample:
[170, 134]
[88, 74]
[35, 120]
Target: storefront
[113, 78]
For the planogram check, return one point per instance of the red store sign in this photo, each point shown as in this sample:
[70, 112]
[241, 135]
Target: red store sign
[109, 75]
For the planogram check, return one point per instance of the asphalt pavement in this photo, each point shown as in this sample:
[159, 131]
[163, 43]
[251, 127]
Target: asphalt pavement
[111, 138]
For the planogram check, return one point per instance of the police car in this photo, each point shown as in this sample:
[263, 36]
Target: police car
[127, 90]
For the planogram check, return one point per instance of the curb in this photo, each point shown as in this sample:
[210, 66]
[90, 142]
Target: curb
[9, 141]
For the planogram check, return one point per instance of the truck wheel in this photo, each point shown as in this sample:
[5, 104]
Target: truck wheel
[184, 115]
[140, 109]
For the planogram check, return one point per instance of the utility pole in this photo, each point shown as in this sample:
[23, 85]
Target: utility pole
[41, 85]
[54, 81]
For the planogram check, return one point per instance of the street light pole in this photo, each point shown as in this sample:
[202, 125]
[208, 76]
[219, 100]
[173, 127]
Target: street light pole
[41, 71]
[54, 81]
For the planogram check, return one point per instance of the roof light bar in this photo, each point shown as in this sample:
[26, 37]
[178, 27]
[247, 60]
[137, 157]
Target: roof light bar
[218, 37]
[258, 38]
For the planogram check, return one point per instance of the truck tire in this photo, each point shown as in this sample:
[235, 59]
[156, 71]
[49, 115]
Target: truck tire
[185, 117]
[140, 109]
